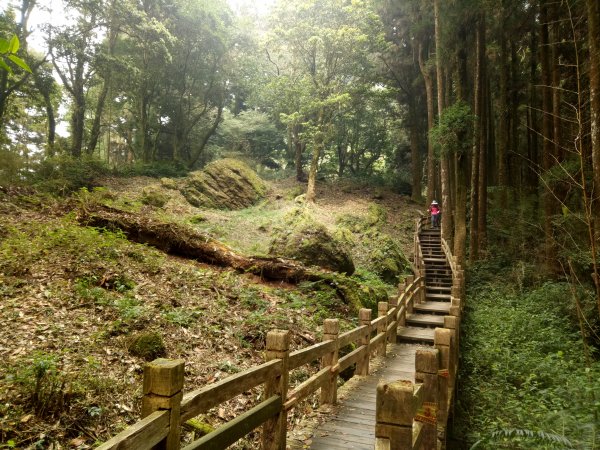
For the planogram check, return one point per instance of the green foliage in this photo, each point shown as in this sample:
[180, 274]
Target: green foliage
[64, 174]
[157, 169]
[8, 51]
[148, 345]
[524, 368]
[180, 316]
[47, 389]
[154, 197]
[452, 132]
[516, 435]
[11, 167]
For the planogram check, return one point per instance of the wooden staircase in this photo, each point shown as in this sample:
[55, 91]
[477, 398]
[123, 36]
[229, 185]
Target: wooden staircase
[428, 314]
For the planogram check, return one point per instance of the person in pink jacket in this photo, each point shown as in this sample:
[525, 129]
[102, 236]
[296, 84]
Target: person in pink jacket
[435, 212]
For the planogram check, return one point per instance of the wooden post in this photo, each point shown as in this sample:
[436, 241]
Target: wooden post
[451, 323]
[274, 430]
[401, 288]
[423, 290]
[331, 331]
[395, 410]
[382, 309]
[163, 390]
[443, 343]
[402, 317]
[426, 372]
[394, 332]
[364, 318]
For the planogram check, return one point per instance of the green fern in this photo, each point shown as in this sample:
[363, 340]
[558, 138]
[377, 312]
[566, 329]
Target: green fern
[540, 437]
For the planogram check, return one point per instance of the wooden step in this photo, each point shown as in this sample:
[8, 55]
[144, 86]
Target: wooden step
[432, 307]
[438, 297]
[414, 334]
[435, 260]
[438, 288]
[425, 320]
[437, 281]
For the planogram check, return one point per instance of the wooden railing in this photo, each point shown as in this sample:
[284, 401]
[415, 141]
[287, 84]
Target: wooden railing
[414, 415]
[165, 408]
[418, 263]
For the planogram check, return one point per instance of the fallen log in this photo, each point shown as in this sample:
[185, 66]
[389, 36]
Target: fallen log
[180, 240]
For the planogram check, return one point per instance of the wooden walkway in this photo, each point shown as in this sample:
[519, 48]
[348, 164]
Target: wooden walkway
[351, 423]
[384, 403]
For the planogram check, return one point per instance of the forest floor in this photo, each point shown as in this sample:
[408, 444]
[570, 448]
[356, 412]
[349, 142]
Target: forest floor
[77, 302]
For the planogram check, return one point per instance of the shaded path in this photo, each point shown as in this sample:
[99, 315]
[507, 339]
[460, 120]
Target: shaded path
[351, 423]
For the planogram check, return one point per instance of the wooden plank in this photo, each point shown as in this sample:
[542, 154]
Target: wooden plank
[345, 436]
[307, 387]
[416, 334]
[377, 339]
[376, 321]
[200, 400]
[353, 432]
[333, 443]
[426, 319]
[239, 427]
[351, 358]
[146, 433]
[356, 419]
[351, 336]
[441, 307]
[310, 354]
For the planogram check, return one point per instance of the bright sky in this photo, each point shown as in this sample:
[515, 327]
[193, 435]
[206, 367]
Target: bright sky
[51, 11]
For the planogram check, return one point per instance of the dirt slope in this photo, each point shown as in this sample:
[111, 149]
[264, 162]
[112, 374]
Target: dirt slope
[73, 300]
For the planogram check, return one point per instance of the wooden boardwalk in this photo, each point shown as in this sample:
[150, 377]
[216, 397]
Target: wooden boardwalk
[351, 423]
[385, 399]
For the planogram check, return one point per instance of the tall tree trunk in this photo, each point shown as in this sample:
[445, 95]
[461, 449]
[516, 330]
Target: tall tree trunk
[431, 175]
[461, 160]
[533, 126]
[445, 172]
[483, 154]
[96, 125]
[318, 142]
[77, 123]
[298, 151]
[547, 128]
[477, 126]
[513, 164]
[503, 126]
[593, 17]
[554, 39]
[415, 151]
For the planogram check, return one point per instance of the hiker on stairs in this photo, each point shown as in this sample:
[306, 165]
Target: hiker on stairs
[435, 212]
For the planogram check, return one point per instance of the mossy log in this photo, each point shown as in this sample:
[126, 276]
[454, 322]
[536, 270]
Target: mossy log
[176, 239]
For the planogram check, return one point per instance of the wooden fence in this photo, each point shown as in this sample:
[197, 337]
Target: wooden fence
[408, 415]
[414, 415]
[165, 407]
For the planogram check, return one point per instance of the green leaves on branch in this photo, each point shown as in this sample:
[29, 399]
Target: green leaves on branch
[8, 51]
[452, 133]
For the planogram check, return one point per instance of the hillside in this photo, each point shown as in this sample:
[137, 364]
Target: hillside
[84, 308]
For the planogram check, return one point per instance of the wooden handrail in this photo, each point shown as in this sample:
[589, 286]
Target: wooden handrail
[146, 433]
[201, 400]
[369, 337]
[239, 427]
[310, 354]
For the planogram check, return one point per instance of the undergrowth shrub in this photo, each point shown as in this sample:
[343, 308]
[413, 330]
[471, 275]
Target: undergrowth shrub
[63, 174]
[524, 368]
